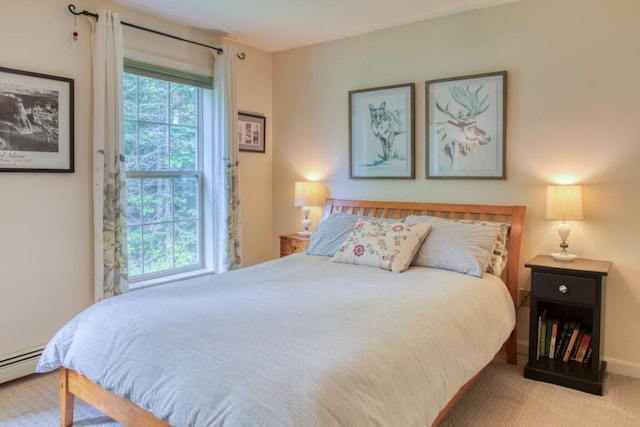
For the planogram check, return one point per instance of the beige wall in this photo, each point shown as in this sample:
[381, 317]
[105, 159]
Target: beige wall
[46, 231]
[573, 109]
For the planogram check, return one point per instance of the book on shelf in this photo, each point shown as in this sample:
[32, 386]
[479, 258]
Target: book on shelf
[582, 348]
[542, 331]
[572, 340]
[547, 341]
[576, 345]
[554, 336]
[587, 355]
[565, 334]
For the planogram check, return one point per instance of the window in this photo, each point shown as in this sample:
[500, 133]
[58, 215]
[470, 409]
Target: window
[163, 133]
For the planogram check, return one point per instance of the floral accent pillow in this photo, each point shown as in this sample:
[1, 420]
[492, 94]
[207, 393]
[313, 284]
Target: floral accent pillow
[387, 245]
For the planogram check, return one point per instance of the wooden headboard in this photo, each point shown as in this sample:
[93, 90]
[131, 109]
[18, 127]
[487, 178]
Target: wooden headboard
[513, 215]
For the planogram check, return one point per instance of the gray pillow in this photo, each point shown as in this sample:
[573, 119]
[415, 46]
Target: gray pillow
[331, 233]
[454, 245]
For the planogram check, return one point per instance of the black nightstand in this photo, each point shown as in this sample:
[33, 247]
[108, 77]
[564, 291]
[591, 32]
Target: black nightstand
[572, 293]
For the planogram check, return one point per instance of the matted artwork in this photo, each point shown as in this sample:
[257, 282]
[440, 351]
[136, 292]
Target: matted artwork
[36, 122]
[381, 132]
[251, 132]
[466, 126]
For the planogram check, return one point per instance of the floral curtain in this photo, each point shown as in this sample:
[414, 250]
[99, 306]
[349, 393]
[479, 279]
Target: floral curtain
[226, 201]
[109, 196]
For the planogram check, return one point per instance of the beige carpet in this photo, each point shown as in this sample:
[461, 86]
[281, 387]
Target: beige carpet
[500, 397]
[503, 397]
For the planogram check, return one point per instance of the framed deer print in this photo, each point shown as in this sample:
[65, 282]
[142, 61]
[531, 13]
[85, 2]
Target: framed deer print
[381, 132]
[466, 126]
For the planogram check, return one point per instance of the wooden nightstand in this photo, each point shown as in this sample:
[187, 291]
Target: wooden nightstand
[293, 243]
[569, 292]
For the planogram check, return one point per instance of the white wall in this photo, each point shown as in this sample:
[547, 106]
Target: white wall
[46, 230]
[573, 109]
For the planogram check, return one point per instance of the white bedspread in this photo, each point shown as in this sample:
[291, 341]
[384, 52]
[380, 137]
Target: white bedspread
[297, 341]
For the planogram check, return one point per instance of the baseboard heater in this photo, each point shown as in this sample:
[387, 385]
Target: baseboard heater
[19, 364]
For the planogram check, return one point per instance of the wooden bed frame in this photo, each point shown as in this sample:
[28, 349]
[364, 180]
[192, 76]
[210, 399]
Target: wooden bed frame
[73, 384]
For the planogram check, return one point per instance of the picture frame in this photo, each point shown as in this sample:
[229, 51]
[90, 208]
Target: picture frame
[251, 132]
[382, 132]
[466, 127]
[36, 122]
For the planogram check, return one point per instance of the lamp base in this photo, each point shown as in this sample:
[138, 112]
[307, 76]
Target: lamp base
[305, 233]
[563, 256]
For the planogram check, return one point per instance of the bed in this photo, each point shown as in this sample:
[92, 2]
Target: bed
[301, 340]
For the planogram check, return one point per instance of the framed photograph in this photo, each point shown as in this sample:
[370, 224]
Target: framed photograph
[381, 132]
[466, 126]
[251, 131]
[36, 122]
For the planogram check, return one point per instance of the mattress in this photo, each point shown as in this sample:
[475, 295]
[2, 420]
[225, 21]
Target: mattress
[297, 341]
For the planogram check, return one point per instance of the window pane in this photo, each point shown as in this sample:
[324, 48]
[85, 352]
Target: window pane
[130, 96]
[153, 146]
[131, 144]
[184, 146]
[153, 99]
[157, 246]
[134, 249]
[186, 243]
[134, 201]
[185, 198]
[184, 105]
[156, 200]
[162, 143]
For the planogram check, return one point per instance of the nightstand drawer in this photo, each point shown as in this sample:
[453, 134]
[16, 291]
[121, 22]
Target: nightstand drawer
[563, 288]
[293, 243]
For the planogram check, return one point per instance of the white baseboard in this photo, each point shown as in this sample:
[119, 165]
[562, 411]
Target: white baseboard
[615, 366]
[622, 367]
[522, 347]
[19, 364]
[17, 370]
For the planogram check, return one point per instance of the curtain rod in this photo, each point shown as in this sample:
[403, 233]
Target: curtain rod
[72, 9]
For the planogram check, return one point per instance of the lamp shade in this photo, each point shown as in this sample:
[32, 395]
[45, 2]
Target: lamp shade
[564, 202]
[308, 193]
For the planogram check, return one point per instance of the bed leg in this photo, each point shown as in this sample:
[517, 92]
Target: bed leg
[512, 348]
[66, 400]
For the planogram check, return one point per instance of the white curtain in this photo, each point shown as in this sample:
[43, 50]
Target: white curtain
[226, 202]
[109, 196]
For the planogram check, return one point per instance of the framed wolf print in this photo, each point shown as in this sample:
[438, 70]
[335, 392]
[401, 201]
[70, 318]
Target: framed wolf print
[251, 132]
[36, 122]
[466, 126]
[381, 132]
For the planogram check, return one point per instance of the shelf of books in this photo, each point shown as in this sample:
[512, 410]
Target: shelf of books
[564, 345]
[567, 345]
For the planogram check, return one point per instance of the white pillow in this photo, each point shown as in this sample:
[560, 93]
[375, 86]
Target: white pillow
[382, 244]
[500, 251]
[459, 246]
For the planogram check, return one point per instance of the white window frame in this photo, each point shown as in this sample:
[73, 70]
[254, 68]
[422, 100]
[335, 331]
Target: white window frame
[205, 158]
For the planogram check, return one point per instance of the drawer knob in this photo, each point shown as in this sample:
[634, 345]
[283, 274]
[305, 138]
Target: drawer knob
[563, 289]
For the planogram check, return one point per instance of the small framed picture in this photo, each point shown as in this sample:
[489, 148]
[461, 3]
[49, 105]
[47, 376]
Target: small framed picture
[251, 132]
[381, 132]
[466, 126]
[36, 122]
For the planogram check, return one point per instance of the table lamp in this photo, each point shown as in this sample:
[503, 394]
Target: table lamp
[307, 194]
[564, 202]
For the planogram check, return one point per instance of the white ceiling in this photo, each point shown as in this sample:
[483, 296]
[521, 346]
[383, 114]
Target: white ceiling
[275, 25]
